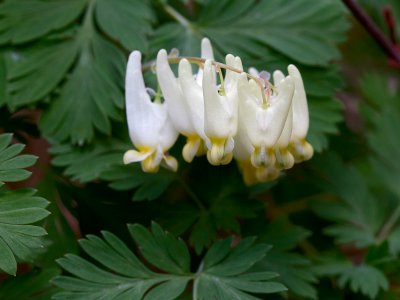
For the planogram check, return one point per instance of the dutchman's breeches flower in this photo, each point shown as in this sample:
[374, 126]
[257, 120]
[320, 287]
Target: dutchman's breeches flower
[221, 110]
[150, 128]
[264, 118]
[241, 115]
[184, 96]
[300, 148]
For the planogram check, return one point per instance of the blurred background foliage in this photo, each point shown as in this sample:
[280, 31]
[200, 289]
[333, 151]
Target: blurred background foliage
[333, 222]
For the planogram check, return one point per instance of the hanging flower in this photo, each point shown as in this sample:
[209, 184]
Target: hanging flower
[150, 128]
[262, 126]
[221, 110]
[299, 147]
[264, 118]
[184, 96]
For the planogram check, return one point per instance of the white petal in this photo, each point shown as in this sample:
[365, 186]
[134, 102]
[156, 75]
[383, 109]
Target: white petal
[206, 49]
[132, 156]
[170, 162]
[217, 113]
[172, 93]
[253, 72]
[206, 53]
[193, 95]
[264, 125]
[300, 107]
[143, 122]
[286, 134]
[278, 77]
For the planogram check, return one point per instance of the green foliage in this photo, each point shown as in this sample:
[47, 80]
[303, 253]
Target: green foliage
[294, 269]
[332, 223]
[363, 278]
[33, 285]
[222, 270]
[19, 240]
[32, 19]
[262, 28]
[359, 216]
[85, 85]
[11, 165]
[383, 118]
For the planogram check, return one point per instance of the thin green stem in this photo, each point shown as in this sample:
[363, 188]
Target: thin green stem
[196, 282]
[388, 226]
[192, 195]
[177, 16]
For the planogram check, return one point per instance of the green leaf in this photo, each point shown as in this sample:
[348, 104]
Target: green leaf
[382, 114]
[295, 270]
[18, 239]
[11, 165]
[126, 21]
[358, 215]
[325, 114]
[30, 19]
[130, 278]
[364, 278]
[148, 186]
[40, 65]
[33, 285]
[88, 163]
[225, 210]
[3, 80]
[161, 249]
[261, 28]
[223, 271]
[92, 95]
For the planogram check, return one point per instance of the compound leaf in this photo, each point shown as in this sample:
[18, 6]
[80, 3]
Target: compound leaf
[11, 165]
[30, 19]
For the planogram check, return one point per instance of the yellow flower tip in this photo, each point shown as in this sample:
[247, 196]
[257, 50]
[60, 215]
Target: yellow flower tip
[262, 157]
[301, 150]
[266, 174]
[284, 159]
[194, 147]
[150, 165]
[227, 158]
[170, 163]
[248, 172]
[217, 155]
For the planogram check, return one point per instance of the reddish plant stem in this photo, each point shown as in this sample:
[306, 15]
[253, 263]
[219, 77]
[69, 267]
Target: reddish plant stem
[373, 30]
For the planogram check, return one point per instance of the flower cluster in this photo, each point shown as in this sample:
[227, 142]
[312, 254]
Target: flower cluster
[240, 115]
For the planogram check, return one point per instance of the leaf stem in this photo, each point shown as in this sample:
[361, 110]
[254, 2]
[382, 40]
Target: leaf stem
[196, 282]
[177, 16]
[373, 30]
[388, 226]
[192, 195]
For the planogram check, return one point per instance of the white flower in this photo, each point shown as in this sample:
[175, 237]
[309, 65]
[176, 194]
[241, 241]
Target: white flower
[299, 147]
[150, 128]
[221, 110]
[264, 122]
[284, 158]
[242, 154]
[184, 96]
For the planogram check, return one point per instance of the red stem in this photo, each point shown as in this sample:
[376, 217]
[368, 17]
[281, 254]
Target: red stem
[373, 30]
